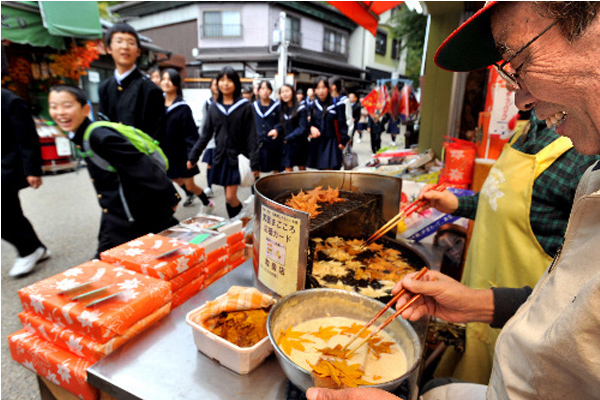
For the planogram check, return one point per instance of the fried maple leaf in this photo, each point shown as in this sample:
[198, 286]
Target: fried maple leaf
[336, 352]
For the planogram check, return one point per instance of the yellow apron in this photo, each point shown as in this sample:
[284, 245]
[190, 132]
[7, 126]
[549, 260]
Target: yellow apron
[503, 250]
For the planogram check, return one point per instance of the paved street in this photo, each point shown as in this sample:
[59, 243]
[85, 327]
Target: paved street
[65, 213]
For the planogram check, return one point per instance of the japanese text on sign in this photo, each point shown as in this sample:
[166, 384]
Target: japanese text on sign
[279, 251]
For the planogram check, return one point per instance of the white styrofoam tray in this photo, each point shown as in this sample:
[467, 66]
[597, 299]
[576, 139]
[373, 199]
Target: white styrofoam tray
[239, 359]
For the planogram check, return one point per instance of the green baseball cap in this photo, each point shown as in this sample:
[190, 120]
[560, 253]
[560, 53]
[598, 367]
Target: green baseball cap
[471, 46]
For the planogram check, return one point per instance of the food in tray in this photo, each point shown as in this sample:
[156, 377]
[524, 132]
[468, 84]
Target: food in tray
[372, 270]
[242, 328]
[315, 345]
[309, 201]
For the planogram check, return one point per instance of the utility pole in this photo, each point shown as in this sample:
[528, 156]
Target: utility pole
[283, 45]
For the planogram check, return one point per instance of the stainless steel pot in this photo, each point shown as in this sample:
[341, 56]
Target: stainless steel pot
[318, 303]
[280, 256]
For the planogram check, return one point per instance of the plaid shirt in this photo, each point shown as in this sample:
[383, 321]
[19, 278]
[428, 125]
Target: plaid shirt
[553, 190]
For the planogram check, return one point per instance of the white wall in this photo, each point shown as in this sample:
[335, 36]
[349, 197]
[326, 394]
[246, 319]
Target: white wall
[255, 27]
[169, 17]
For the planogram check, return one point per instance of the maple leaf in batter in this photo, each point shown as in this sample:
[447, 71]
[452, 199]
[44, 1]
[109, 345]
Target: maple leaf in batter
[325, 333]
[353, 330]
[290, 339]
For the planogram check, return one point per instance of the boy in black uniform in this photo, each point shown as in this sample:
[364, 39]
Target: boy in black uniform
[129, 97]
[136, 199]
[21, 168]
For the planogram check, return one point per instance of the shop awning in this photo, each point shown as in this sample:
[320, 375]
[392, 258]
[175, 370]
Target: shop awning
[365, 13]
[47, 23]
[78, 19]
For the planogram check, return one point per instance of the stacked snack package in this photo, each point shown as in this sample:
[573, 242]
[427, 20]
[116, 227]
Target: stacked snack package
[222, 240]
[180, 263]
[75, 318]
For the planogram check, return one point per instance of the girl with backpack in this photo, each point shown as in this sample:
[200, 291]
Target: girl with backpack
[293, 129]
[328, 130]
[267, 120]
[181, 135]
[230, 120]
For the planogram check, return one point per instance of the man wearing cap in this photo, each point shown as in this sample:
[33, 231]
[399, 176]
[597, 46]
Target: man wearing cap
[548, 53]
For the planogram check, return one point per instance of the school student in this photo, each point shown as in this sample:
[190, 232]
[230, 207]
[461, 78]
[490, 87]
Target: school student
[130, 97]
[181, 136]
[209, 152]
[328, 130]
[230, 120]
[267, 120]
[293, 129]
[135, 195]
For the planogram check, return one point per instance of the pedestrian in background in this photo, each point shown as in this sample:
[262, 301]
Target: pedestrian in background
[181, 136]
[363, 121]
[299, 96]
[328, 130]
[356, 107]
[293, 129]
[208, 155]
[342, 102]
[267, 119]
[155, 75]
[134, 192]
[130, 97]
[375, 129]
[248, 94]
[230, 120]
[21, 168]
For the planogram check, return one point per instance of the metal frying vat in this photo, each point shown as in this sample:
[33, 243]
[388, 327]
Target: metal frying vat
[281, 233]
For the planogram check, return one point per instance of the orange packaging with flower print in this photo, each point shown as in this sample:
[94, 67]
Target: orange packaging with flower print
[156, 256]
[80, 345]
[53, 363]
[135, 296]
[188, 291]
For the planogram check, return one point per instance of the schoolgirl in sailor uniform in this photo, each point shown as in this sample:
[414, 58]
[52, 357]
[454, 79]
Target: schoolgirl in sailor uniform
[267, 119]
[293, 129]
[181, 135]
[230, 120]
[326, 139]
[209, 152]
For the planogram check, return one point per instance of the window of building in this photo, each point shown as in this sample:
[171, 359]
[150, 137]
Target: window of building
[381, 43]
[292, 30]
[334, 42]
[396, 49]
[219, 24]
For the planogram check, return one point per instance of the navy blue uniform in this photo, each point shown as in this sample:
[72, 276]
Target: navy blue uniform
[235, 133]
[324, 152]
[295, 137]
[181, 136]
[267, 118]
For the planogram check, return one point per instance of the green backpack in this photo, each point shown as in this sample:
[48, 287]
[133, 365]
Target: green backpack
[141, 140]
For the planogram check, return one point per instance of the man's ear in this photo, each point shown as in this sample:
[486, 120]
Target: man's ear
[87, 109]
[139, 52]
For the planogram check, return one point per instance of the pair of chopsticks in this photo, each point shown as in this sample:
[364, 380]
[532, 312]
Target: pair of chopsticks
[380, 313]
[411, 208]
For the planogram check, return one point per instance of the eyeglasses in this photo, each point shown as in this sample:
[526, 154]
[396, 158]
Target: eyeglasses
[512, 78]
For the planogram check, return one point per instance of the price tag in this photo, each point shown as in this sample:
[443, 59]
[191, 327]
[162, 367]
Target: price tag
[279, 251]
[63, 146]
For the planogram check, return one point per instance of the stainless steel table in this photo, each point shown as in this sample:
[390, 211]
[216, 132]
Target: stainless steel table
[163, 363]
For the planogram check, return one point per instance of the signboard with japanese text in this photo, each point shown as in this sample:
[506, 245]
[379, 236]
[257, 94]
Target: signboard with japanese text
[279, 251]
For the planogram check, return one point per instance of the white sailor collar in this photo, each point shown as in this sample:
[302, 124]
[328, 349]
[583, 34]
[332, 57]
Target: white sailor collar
[236, 104]
[269, 110]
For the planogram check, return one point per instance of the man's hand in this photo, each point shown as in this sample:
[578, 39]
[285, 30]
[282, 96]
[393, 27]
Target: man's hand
[349, 394]
[444, 201]
[34, 181]
[445, 298]
[272, 134]
[190, 165]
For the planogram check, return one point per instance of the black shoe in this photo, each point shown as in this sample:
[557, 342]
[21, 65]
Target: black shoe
[188, 202]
